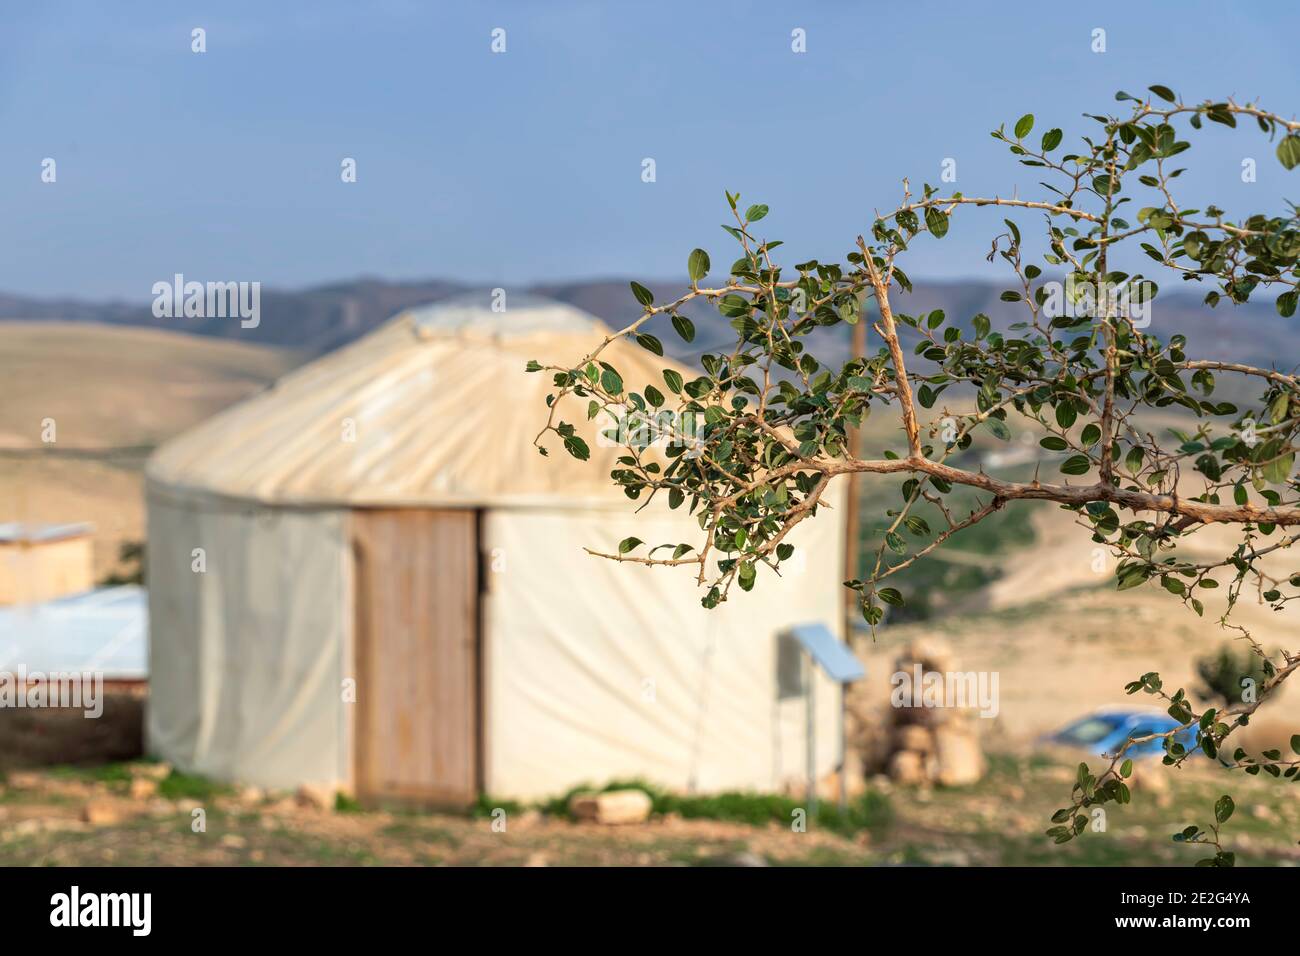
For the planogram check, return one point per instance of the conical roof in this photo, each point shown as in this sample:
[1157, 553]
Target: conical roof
[433, 408]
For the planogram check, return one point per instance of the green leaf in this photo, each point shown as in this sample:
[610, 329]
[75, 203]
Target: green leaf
[684, 327]
[936, 222]
[733, 306]
[1066, 414]
[611, 382]
[1024, 125]
[1279, 469]
[1130, 576]
[1164, 92]
[629, 544]
[756, 212]
[1223, 808]
[1288, 151]
[1280, 408]
[890, 596]
[643, 295]
[576, 447]
[1076, 465]
[697, 264]
[1295, 743]
[654, 396]
[1051, 140]
[1286, 304]
[1126, 769]
[650, 343]
[917, 525]
[999, 428]
[1053, 443]
[673, 380]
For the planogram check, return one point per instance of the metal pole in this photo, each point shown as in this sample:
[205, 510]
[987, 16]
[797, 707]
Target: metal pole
[844, 753]
[852, 522]
[811, 707]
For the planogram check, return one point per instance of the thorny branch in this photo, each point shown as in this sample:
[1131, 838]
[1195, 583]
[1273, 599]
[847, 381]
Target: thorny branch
[750, 447]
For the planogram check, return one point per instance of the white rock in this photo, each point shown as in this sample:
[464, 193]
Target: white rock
[315, 795]
[959, 757]
[613, 807]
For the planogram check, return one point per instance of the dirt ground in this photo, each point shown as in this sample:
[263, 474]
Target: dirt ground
[142, 814]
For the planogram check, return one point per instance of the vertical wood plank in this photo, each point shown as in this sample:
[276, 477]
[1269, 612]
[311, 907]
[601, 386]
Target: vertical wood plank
[417, 655]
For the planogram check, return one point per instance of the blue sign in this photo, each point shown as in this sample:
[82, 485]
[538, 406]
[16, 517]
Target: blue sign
[833, 657]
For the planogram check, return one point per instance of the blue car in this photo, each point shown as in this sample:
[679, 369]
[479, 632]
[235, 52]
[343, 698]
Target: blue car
[1105, 731]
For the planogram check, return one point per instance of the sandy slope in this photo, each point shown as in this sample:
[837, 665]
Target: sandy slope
[112, 393]
[1065, 642]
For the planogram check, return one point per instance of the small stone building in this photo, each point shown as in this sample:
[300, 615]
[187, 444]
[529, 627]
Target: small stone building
[40, 562]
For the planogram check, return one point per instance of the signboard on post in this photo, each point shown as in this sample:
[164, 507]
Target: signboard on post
[838, 662]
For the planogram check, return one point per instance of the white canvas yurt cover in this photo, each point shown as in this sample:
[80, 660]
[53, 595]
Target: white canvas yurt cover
[586, 669]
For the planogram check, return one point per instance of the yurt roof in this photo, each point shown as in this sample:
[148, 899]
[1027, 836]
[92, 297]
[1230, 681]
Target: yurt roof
[442, 410]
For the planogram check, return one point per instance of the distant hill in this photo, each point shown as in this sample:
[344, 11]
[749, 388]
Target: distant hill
[112, 395]
[120, 387]
[313, 321]
[321, 318]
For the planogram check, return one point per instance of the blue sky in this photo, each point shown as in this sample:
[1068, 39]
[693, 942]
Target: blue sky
[526, 166]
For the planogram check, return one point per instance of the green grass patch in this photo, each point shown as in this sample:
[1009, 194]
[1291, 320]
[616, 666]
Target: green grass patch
[486, 805]
[346, 804]
[109, 773]
[870, 811]
[187, 786]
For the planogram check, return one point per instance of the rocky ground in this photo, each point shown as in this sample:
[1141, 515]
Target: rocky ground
[144, 814]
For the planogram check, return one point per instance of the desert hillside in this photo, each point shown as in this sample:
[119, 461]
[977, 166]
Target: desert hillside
[1064, 641]
[113, 394]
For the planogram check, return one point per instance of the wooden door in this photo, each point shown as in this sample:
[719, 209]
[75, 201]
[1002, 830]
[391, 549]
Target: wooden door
[417, 721]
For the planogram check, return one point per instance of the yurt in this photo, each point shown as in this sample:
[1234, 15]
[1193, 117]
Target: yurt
[367, 578]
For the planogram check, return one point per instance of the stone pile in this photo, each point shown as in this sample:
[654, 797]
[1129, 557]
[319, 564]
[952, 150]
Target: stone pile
[930, 744]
